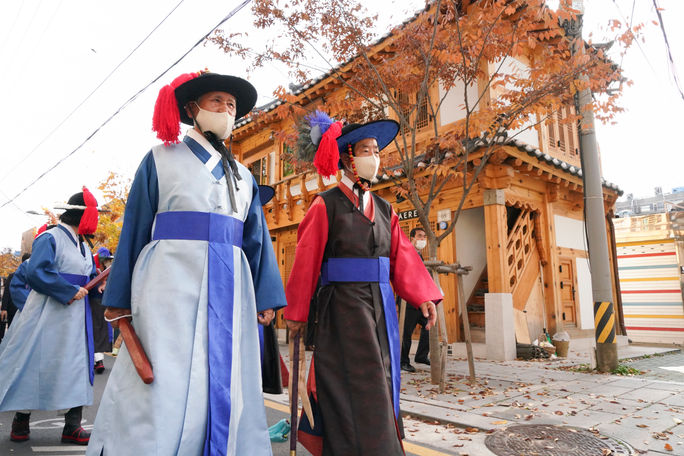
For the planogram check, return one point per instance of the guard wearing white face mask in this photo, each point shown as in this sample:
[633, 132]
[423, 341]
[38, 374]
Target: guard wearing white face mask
[351, 238]
[195, 270]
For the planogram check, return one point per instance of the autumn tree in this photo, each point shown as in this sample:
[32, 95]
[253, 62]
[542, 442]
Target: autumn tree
[510, 61]
[9, 262]
[115, 190]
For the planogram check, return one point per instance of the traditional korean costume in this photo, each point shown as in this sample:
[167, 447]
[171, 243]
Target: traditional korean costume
[194, 274]
[46, 359]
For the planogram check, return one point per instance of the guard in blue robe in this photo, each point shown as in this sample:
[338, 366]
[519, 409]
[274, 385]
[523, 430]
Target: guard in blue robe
[46, 360]
[194, 267]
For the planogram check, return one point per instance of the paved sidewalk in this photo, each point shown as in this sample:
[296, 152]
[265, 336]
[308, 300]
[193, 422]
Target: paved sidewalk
[643, 412]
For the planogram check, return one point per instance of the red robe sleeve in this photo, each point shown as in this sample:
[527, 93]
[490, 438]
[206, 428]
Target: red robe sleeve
[312, 237]
[410, 279]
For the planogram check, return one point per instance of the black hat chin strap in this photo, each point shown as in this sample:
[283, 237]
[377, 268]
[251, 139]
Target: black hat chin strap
[229, 165]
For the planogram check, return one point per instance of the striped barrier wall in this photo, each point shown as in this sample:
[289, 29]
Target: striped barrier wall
[651, 291]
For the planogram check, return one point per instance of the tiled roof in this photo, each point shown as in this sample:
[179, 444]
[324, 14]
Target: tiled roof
[529, 150]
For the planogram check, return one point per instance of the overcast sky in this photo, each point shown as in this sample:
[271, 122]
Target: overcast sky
[54, 53]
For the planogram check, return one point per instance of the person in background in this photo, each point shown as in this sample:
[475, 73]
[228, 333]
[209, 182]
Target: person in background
[16, 290]
[46, 360]
[415, 317]
[102, 331]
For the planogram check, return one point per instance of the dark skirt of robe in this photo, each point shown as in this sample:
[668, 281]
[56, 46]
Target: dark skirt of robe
[271, 377]
[102, 333]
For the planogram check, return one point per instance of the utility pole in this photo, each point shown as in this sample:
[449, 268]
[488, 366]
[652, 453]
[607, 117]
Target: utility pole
[599, 262]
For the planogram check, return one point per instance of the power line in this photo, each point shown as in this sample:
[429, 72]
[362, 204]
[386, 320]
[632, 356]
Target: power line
[635, 39]
[673, 70]
[127, 102]
[49, 135]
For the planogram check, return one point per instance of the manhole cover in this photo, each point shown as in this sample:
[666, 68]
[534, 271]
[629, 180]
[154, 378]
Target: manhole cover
[547, 440]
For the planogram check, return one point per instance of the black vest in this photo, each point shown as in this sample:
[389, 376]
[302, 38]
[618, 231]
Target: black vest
[351, 233]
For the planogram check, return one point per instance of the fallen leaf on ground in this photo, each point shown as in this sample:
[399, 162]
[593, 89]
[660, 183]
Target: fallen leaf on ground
[668, 447]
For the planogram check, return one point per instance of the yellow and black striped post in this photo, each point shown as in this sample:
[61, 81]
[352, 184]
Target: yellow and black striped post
[606, 348]
[604, 322]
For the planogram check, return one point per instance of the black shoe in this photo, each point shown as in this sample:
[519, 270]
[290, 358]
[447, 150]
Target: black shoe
[407, 367]
[78, 435]
[20, 427]
[99, 367]
[423, 361]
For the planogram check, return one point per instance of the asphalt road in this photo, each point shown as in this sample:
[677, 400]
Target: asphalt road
[46, 429]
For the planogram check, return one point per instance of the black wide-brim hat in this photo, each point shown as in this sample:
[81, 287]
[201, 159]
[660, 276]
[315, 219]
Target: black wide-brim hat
[245, 94]
[266, 194]
[384, 131]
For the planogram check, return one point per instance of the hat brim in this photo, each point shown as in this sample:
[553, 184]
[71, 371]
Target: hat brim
[266, 194]
[384, 131]
[245, 94]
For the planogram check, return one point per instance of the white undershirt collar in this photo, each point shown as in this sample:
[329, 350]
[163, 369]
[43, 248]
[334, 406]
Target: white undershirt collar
[215, 157]
[350, 185]
[71, 231]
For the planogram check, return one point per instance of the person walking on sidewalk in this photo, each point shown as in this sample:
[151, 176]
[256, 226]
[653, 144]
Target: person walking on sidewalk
[415, 317]
[195, 269]
[352, 239]
[46, 360]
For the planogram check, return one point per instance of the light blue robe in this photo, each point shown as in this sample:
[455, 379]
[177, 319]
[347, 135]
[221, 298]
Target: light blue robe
[44, 361]
[165, 284]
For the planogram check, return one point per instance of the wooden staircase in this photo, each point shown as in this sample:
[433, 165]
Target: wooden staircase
[524, 256]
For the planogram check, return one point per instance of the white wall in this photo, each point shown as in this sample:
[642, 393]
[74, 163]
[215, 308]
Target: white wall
[570, 233]
[584, 294]
[471, 249]
[453, 107]
[527, 133]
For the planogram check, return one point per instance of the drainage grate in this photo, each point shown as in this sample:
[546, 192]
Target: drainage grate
[548, 440]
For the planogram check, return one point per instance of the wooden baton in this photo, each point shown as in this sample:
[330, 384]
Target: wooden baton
[135, 348]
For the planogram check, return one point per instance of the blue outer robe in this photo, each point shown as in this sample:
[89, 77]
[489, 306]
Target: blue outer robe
[19, 289]
[45, 359]
[165, 282]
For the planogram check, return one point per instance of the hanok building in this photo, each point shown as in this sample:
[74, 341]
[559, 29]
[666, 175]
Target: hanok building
[522, 227]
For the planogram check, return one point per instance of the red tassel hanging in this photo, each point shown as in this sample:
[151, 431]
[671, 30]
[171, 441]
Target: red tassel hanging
[328, 155]
[166, 118]
[89, 218]
[41, 230]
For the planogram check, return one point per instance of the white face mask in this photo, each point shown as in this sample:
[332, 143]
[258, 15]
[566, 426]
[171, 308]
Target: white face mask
[420, 244]
[219, 123]
[367, 167]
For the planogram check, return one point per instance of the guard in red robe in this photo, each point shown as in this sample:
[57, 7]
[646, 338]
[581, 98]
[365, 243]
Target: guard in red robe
[351, 238]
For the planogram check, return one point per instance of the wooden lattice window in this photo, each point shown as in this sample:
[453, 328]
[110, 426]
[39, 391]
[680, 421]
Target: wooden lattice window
[410, 110]
[259, 169]
[561, 133]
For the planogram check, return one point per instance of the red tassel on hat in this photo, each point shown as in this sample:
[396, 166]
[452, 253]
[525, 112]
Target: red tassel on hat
[328, 155]
[88, 223]
[166, 118]
[42, 229]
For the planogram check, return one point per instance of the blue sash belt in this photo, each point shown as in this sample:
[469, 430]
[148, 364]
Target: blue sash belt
[81, 280]
[372, 270]
[222, 233]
